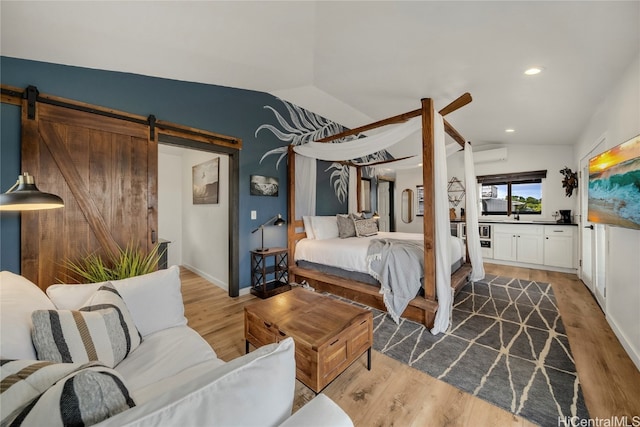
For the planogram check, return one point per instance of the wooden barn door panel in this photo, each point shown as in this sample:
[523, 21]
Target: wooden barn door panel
[105, 170]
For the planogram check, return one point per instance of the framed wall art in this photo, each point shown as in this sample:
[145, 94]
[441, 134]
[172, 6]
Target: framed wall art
[614, 186]
[206, 177]
[263, 185]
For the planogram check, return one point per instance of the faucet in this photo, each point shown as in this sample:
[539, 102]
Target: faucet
[517, 216]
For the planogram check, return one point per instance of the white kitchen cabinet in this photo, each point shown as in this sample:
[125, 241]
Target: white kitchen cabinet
[559, 246]
[520, 243]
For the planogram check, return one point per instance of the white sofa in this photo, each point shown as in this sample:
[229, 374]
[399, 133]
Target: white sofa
[173, 376]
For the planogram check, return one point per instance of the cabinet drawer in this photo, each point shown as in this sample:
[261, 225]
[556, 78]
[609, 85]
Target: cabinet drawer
[259, 330]
[518, 229]
[558, 230]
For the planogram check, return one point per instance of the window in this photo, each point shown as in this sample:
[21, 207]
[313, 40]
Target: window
[513, 193]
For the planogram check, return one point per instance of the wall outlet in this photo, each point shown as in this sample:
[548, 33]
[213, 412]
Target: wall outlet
[254, 214]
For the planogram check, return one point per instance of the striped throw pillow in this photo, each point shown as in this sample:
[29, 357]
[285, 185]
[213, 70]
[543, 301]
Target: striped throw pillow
[102, 330]
[46, 393]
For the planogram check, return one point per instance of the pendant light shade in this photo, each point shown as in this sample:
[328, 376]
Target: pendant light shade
[25, 196]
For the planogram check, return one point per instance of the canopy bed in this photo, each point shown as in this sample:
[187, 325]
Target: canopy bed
[432, 305]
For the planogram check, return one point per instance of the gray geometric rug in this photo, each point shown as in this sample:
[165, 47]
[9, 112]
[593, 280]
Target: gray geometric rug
[507, 345]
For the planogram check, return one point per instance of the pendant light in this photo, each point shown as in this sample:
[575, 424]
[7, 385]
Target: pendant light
[25, 196]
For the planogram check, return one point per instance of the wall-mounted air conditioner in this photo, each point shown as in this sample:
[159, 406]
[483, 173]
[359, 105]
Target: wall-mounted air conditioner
[496, 155]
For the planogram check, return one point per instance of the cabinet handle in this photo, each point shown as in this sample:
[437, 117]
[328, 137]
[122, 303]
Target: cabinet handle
[282, 334]
[558, 231]
[547, 238]
[335, 342]
[267, 324]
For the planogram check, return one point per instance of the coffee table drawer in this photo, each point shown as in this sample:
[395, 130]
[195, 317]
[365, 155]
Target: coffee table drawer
[259, 332]
[361, 338]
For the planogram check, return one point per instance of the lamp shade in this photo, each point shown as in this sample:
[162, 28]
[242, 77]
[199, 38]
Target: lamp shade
[25, 196]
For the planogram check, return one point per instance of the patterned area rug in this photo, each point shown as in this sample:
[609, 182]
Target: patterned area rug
[507, 345]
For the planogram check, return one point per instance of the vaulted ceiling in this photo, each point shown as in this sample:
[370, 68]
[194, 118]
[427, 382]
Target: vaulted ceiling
[355, 62]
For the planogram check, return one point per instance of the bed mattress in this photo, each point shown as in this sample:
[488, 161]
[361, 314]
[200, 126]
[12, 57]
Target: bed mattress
[350, 254]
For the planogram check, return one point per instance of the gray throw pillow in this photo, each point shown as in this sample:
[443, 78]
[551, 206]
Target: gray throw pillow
[346, 227]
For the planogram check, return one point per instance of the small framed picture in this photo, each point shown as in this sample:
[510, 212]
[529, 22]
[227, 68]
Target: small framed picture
[263, 186]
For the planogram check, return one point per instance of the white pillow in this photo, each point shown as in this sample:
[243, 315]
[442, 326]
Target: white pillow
[325, 227]
[308, 227]
[154, 300]
[73, 296]
[19, 297]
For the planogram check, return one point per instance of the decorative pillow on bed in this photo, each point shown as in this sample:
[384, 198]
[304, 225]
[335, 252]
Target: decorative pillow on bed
[308, 227]
[366, 227]
[346, 227]
[46, 393]
[325, 227]
[101, 330]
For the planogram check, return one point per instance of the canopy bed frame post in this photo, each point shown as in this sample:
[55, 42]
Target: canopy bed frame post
[428, 219]
[291, 207]
[359, 206]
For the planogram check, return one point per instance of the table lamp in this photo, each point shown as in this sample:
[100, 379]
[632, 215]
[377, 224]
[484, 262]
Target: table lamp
[279, 221]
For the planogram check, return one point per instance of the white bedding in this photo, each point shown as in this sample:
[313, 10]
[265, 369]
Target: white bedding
[351, 253]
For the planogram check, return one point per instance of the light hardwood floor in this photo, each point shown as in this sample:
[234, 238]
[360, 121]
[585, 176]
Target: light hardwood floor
[394, 394]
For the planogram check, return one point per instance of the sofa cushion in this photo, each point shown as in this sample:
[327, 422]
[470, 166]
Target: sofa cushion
[253, 390]
[19, 297]
[164, 354]
[320, 410]
[154, 300]
[46, 393]
[101, 330]
[72, 296]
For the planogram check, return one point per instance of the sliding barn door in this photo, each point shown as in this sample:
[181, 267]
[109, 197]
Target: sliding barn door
[105, 170]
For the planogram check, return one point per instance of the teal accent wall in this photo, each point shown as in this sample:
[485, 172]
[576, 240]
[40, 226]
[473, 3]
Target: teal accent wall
[219, 109]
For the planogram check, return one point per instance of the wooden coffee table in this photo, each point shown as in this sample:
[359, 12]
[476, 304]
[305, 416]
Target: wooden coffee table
[329, 334]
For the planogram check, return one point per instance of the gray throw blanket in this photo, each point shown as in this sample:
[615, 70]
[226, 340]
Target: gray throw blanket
[398, 265]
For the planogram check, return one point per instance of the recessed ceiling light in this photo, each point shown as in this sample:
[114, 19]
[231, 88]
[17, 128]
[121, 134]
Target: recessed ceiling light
[533, 71]
[509, 130]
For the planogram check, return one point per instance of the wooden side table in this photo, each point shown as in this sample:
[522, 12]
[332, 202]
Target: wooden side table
[269, 272]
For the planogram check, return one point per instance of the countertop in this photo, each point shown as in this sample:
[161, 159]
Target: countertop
[513, 221]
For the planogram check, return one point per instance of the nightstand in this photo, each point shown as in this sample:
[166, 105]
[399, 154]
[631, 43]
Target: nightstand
[269, 272]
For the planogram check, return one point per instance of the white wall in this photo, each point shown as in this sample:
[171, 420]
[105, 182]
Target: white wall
[519, 159]
[199, 234]
[618, 119]
[170, 201]
[407, 178]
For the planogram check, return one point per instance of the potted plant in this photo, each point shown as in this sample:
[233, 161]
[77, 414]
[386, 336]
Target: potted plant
[127, 262]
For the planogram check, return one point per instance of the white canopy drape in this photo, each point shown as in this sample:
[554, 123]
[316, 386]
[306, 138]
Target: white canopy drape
[473, 234]
[443, 230]
[361, 147]
[305, 203]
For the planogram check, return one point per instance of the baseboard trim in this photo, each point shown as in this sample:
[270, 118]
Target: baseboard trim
[532, 266]
[633, 353]
[214, 280]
